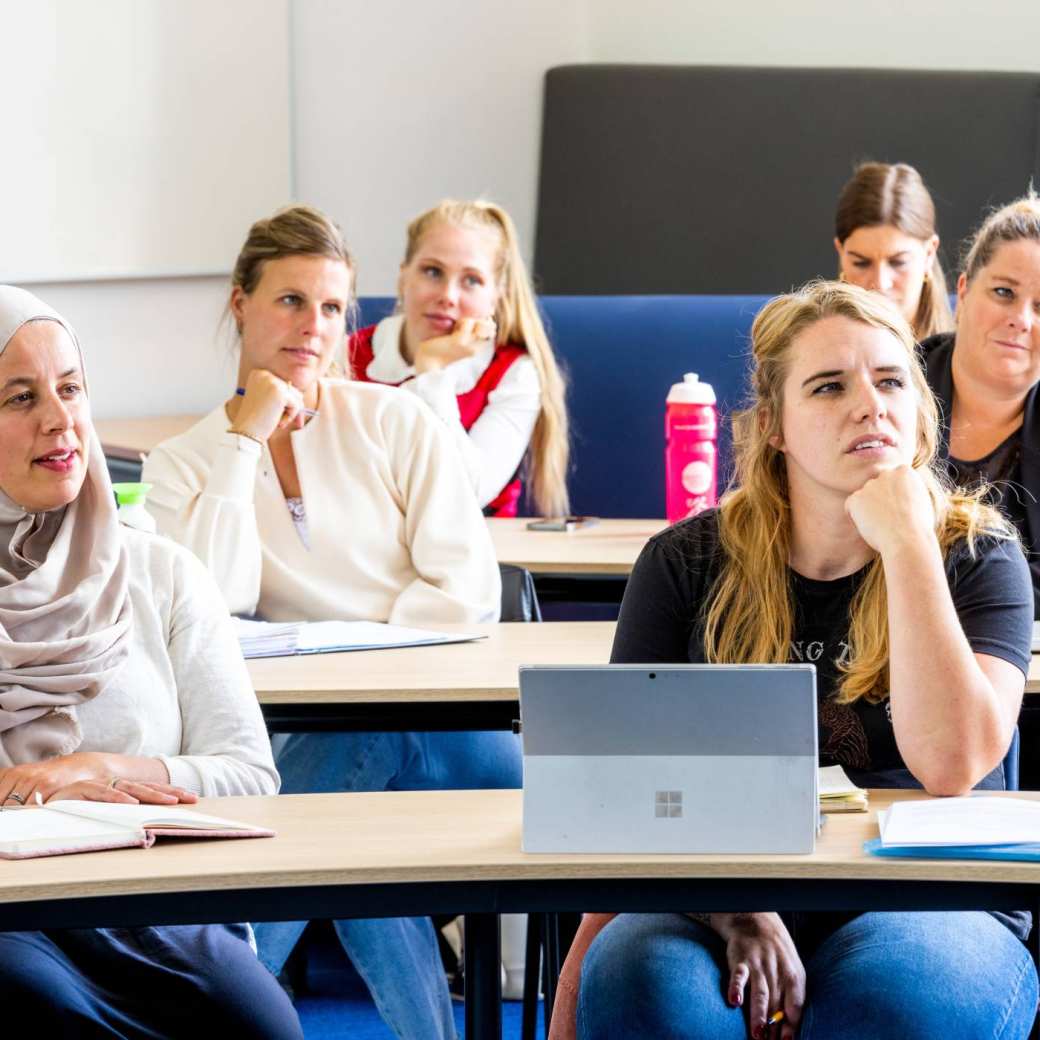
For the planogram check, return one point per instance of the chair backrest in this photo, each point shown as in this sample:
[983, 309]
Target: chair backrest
[123, 470]
[1010, 763]
[519, 598]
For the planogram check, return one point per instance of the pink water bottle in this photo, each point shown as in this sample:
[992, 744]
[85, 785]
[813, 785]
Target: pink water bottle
[690, 431]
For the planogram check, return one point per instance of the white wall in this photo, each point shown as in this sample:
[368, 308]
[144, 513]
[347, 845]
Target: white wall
[399, 104]
[148, 133]
[922, 34]
[394, 105]
[152, 346]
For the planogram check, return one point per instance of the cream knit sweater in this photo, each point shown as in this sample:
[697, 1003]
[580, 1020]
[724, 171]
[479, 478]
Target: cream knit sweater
[394, 528]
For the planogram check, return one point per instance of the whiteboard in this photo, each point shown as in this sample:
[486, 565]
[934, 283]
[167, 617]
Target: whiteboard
[140, 138]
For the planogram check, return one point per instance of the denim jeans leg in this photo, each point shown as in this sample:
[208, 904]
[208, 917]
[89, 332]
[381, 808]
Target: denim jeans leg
[459, 761]
[397, 957]
[320, 762]
[920, 975]
[656, 977]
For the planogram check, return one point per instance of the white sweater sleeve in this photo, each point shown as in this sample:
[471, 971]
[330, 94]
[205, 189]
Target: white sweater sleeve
[495, 445]
[458, 577]
[224, 745]
[212, 512]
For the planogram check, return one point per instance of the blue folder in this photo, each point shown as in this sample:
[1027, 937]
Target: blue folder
[1019, 851]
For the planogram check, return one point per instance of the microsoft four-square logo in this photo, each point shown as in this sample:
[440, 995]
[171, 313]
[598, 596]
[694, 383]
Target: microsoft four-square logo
[668, 804]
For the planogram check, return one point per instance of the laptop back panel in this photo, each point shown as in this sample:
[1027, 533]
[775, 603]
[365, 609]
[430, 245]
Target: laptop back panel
[681, 758]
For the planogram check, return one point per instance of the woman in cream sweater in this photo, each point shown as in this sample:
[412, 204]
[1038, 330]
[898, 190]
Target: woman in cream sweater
[312, 498]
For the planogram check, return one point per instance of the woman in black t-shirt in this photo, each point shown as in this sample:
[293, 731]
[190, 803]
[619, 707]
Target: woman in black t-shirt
[986, 373]
[839, 545]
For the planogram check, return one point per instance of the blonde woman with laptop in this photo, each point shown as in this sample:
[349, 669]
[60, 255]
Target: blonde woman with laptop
[839, 544]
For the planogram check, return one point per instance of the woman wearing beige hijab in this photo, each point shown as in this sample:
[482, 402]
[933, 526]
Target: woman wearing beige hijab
[120, 680]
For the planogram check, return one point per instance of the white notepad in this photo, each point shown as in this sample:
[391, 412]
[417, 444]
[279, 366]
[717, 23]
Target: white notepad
[961, 821]
[75, 826]
[1036, 637]
[267, 639]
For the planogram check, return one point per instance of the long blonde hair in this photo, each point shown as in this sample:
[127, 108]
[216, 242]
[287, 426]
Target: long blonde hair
[750, 617]
[895, 195]
[519, 322]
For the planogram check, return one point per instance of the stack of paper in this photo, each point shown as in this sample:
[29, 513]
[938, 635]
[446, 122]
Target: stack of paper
[1036, 637]
[838, 794]
[973, 827]
[263, 639]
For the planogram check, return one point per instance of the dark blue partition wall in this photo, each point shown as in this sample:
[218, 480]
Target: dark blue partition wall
[620, 355]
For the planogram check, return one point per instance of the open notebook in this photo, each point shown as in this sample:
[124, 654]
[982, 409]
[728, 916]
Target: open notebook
[972, 827]
[268, 639]
[73, 826]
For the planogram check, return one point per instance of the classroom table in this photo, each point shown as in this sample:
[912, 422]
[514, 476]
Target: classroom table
[454, 686]
[607, 547]
[130, 439]
[420, 852]
[451, 687]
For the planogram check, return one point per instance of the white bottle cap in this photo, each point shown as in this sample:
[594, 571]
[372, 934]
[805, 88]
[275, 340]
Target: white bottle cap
[691, 391]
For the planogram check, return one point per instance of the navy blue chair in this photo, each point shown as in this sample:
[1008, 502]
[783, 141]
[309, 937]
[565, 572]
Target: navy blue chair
[1010, 763]
[620, 355]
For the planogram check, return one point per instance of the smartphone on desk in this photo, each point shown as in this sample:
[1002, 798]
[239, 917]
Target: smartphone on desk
[562, 523]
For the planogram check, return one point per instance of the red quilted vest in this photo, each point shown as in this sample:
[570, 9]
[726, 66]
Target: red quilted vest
[471, 403]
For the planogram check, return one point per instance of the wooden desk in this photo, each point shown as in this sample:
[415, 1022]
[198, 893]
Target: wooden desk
[129, 439]
[457, 686]
[390, 854]
[607, 547]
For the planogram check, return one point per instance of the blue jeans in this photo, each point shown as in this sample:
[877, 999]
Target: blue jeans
[397, 957]
[905, 975]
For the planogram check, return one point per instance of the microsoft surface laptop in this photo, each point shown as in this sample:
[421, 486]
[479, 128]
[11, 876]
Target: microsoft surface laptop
[678, 758]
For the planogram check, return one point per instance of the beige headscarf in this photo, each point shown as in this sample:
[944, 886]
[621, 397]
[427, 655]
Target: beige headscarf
[65, 615]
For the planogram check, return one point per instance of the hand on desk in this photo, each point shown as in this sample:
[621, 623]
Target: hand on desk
[763, 961]
[468, 336]
[91, 775]
[133, 792]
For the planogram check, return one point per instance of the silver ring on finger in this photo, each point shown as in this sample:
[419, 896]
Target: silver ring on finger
[113, 783]
[14, 796]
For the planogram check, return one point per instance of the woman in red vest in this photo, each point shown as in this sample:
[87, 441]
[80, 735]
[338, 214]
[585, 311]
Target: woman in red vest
[468, 339]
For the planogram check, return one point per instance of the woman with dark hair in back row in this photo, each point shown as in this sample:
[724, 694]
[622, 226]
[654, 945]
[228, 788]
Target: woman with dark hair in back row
[885, 235]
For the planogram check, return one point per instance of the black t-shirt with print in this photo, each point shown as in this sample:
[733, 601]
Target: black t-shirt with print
[662, 622]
